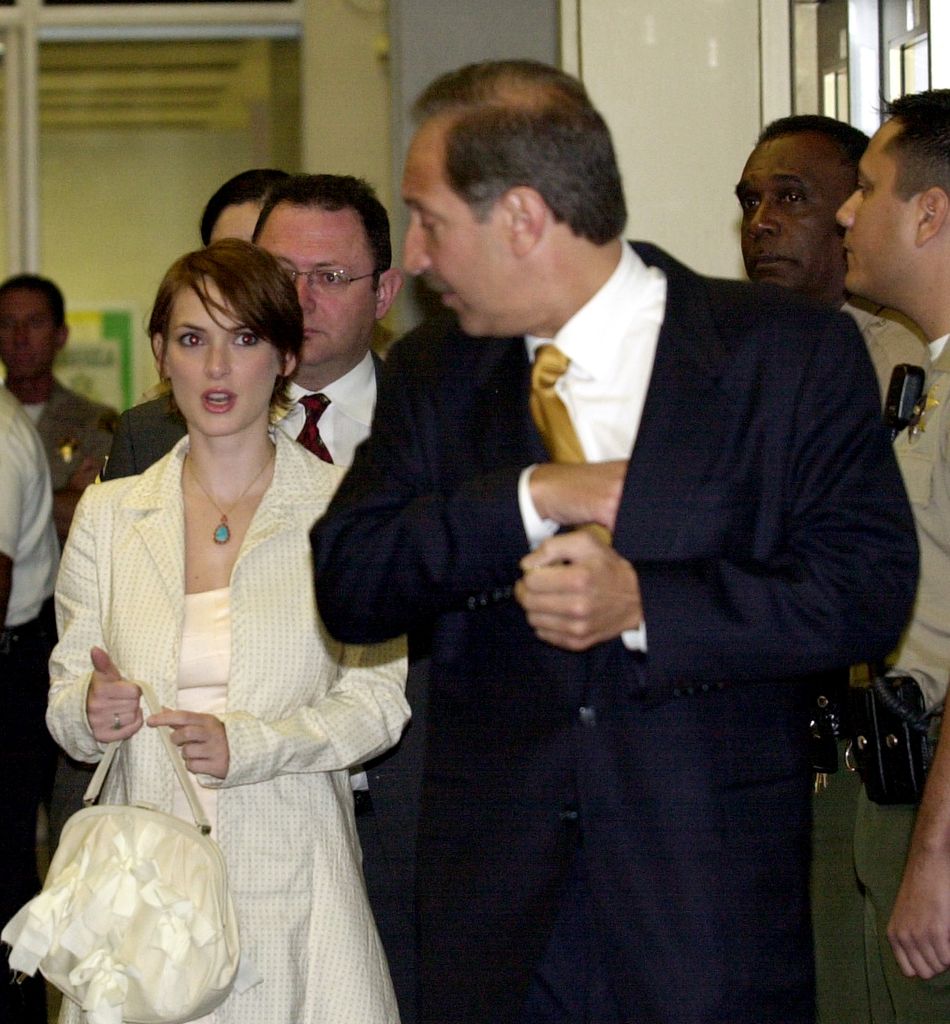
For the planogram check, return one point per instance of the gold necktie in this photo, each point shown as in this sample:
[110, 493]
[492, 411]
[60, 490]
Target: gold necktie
[548, 411]
[552, 419]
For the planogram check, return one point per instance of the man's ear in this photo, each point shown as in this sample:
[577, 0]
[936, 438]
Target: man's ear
[61, 337]
[526, 217]
[390, 281]
[933, 205]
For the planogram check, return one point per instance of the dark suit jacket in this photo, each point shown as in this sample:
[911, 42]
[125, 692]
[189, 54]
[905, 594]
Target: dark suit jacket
[144, 434]
[768, 525]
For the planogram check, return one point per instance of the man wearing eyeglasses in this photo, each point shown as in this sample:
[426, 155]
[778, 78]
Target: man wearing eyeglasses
[332, 234]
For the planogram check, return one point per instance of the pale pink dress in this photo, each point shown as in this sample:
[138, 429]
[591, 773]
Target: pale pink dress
[203, 672]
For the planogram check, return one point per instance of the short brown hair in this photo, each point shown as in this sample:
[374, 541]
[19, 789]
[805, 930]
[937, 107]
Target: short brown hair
[332, 192]
[922, 147]
[519, 122]
[255, 290]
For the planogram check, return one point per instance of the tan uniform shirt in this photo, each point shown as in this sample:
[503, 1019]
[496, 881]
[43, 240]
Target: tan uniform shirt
[72, 427]
[923, 454]
[888, 341]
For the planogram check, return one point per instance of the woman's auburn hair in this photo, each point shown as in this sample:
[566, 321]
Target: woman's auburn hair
[253, 290]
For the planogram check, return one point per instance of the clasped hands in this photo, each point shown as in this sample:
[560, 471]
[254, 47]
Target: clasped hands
[113, 711]
[577, 591]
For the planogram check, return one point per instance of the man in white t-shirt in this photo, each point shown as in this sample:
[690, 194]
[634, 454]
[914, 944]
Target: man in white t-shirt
[29, 555]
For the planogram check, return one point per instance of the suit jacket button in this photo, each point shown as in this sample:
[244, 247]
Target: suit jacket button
[588, 717]
[568, 814]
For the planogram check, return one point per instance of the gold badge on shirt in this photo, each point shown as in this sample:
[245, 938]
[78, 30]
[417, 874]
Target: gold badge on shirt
[68, 448]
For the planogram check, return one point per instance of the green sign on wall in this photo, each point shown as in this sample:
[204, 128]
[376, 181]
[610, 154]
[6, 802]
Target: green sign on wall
[97, 359]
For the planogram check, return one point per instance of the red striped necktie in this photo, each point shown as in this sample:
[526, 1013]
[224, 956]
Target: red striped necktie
[309, 437]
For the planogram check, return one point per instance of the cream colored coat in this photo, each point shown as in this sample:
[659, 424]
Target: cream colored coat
[302, 708]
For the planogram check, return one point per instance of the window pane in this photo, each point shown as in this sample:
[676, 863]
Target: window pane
[821, 58]
[134, 138]
[916, 66]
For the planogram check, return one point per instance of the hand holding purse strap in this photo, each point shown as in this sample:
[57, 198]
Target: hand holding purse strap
[102, 770]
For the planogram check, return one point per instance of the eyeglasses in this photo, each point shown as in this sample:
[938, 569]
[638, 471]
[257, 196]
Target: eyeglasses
[322, 280]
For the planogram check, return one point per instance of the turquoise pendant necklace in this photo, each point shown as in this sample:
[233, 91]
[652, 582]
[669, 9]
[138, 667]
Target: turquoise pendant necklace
[222, 532]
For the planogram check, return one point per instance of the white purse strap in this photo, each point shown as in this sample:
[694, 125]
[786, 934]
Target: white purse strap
[102, 770]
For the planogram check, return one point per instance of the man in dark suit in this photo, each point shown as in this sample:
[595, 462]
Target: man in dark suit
[615, 805]
[332, 233]
[800, 171]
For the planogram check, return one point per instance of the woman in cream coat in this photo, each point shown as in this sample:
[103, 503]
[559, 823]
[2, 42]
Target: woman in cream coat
[299, 709]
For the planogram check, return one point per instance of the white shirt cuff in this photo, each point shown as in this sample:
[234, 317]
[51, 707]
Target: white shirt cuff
[536, 529]
[635, 639]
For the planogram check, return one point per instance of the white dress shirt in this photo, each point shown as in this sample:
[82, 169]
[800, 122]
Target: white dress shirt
[345, 423]
[27, 534]
[611, 343]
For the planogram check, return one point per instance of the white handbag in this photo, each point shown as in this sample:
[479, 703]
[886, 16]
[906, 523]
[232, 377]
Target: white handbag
[135, 921]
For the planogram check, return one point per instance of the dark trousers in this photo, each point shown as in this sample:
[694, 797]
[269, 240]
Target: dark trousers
[570, 986]
[26, 753]
[391, 899]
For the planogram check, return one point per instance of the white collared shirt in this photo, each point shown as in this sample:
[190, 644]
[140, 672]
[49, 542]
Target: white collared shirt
[27, 534]
[936, 346]
[346, 421]
[611, 343]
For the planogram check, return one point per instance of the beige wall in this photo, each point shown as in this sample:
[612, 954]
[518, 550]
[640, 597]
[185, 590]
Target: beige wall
[346, 92]
[119, 207]
[685, 86]
[678, 82]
